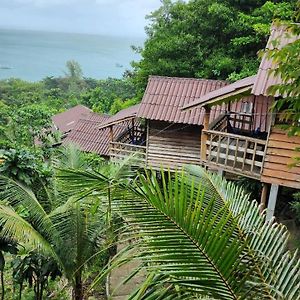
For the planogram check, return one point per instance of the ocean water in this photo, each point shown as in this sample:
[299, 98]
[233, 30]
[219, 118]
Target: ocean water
[33, 55]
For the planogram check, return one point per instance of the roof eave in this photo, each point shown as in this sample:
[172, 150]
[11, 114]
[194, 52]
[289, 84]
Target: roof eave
[225, 98]
[230, 97]
[116, 122]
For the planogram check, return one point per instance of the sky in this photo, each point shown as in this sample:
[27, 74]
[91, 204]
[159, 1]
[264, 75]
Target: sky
[109, 17]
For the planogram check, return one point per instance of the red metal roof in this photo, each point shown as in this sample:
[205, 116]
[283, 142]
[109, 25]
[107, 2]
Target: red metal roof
[88, 137]
[165, 96]
[121, 116]
[280, 36]
[66, 120]
[222, 92]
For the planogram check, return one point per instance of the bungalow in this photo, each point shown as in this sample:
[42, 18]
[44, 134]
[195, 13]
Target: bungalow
[79, 125]
[164, 136]
[263, 151]
[65, 121]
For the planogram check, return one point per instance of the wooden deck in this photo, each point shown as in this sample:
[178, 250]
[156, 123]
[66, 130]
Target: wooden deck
[235, 153]
[121, 151]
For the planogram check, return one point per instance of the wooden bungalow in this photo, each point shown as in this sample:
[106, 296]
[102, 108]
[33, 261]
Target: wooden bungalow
[66, 120]
[161, 135]
[260, 150]
[79, 125]
[87, 137]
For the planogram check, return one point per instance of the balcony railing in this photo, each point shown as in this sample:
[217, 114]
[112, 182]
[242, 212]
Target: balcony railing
[231, 152]
[121, 151]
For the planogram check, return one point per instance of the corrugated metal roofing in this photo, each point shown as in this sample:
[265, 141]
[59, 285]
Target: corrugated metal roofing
[265, 78]
[222, 92]
[121, 116]
[165, 96]
[88, 137]
[66, 120]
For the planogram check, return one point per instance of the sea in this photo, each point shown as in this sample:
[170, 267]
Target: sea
[34, 55]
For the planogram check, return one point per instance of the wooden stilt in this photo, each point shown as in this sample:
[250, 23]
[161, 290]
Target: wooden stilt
[221, 172]
[272, 201]
[204, 135]
[263, 199]
[111, 133]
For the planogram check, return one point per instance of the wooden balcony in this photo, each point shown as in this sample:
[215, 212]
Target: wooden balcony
[121, 151]
[234, 153]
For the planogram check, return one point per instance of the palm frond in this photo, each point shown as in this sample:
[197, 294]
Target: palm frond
[264, 240]
[17, 228]
[208, 239]
[17, 194]
[184, 240]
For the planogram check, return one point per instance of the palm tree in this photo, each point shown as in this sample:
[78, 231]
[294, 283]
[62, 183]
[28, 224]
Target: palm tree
[200, 236]
[70, 232]
[51, 221]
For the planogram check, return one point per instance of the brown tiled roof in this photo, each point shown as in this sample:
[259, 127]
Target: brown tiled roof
[280, 36]
[165, 96]
[121, 116]
[224, 92]
[66, 120]
[88, 137]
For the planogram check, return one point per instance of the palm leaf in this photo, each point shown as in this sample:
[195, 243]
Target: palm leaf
[17, 194]
[278, 267]
[180, 234]
[17, 228]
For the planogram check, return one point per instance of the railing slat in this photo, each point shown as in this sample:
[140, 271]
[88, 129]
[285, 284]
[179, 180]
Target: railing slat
[119, 151]
[235, 152]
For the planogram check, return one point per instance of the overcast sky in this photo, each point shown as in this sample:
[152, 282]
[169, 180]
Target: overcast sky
[117, 17]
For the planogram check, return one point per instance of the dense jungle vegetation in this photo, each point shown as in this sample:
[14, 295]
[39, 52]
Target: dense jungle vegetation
[61, 210]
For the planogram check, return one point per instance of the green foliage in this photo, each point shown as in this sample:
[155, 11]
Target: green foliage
[36, 269]
[210, 39]
[296, 206]
[26, 108]
[21, 165]
[197, 236]
[74, 70]
[42, 218]
[109, 95]
[286, 61]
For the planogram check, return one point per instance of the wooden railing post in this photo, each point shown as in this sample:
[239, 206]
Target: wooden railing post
[204, 136]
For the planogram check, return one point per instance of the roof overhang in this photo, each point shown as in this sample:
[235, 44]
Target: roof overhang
[108, 124]
[229, 93]
[122, 116]
[230, 97]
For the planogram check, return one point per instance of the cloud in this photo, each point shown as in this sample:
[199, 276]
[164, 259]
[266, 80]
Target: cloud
[119, 17]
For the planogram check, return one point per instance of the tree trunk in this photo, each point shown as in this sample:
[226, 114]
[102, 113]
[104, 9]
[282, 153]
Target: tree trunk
[2, 285]
[78, 288]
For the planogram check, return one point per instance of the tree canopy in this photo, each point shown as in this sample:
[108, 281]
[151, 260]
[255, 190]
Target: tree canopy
[216, 39]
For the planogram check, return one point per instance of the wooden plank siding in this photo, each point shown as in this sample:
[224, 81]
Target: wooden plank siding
[173, 145]
[280, 154]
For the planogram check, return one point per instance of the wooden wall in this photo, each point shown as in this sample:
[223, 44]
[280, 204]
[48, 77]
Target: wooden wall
[280, 153]
[172, 145]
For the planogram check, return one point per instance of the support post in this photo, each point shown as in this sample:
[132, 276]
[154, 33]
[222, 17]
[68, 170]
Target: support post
[204, 135]
[263, 199]
[111, 133]
[147, 140]
[272, 201]
[221, 172]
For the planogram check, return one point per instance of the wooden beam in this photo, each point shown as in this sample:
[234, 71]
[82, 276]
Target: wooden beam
[263, 199]
[272, 201]
[147, 141]
[111, 133]
[204, 135]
